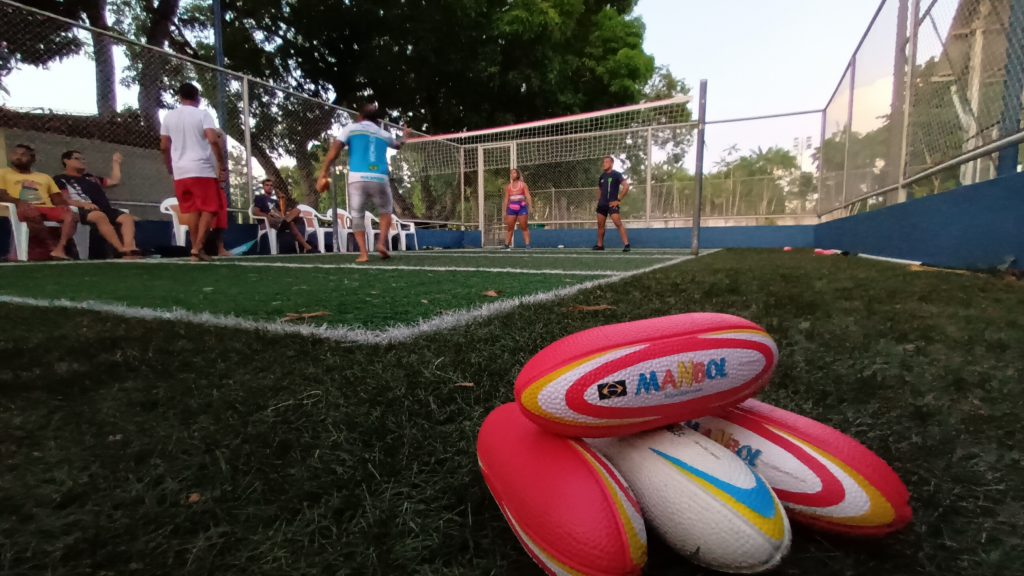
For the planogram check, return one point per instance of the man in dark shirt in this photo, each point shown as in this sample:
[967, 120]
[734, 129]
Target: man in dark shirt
[282, 213]
[611, 190]
[85, 191]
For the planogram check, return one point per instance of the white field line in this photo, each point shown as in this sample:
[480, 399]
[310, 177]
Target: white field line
[399, 333]
[891, 260]
[400, 267]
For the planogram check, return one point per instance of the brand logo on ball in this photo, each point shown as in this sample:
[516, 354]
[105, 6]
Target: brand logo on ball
[746, 452]
[687, 376]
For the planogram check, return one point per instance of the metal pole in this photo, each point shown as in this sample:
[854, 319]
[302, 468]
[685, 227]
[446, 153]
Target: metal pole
[699, 169]
[849, 124]
[218, 55]
[821, 161]
[915, 23]
[1013, 85]
[480, 191]
[650, 161]
[247, 128]
[462, 184]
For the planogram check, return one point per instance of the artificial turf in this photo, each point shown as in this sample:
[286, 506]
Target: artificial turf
[362, 298]
[134, 447]
[533, 260]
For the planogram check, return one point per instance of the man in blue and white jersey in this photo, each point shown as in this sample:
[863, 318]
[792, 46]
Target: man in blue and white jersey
[367, 174]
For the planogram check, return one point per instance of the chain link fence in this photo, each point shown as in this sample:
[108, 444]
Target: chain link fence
[64, 85]
[931, 101]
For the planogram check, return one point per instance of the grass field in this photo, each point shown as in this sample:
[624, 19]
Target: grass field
[137, 446]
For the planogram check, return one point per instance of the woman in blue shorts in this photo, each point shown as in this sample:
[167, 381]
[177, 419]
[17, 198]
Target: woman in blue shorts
[518, 204]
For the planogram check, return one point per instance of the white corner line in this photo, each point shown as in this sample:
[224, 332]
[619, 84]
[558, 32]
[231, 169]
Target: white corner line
[395, 334]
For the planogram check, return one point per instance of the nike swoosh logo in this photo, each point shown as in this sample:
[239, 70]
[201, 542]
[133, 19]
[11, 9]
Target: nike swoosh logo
[758, 499]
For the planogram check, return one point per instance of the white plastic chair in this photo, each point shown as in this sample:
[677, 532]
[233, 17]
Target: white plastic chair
[179, 232]
[312, 219]
[344, 228]
[405, 229]
[372, 233]
[265, 228]
[19, 231]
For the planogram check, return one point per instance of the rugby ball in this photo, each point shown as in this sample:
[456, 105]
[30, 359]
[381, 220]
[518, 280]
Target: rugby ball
[625, 378]
[569, 508]
[824, 478]
[706, 503]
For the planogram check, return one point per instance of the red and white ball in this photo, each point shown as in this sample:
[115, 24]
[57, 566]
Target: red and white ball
[569, 508]
[625, 378]
[824, 478]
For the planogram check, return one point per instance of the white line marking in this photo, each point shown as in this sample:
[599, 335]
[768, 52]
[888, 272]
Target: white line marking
[401, 267]
[892, 260]
[400, 333]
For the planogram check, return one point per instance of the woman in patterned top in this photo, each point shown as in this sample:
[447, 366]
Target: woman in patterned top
[518, 204]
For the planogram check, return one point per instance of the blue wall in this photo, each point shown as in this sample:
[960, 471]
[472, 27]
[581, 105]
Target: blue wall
[975, 226]
[724, 237]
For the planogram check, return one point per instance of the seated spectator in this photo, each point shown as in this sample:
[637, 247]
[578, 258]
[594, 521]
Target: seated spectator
[85, 191]
[37, 199]
[282, 213]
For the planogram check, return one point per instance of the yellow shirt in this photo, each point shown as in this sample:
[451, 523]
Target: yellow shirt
[33, 188]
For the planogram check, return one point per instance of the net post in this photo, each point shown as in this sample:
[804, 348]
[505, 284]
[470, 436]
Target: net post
[480, 193]
[650, 160]
[699, 169]
[462, 184]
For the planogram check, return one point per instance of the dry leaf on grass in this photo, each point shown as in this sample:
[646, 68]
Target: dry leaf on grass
[597, 308]
[492, 293]
[194, 498]
[465, 385]
[291, 316]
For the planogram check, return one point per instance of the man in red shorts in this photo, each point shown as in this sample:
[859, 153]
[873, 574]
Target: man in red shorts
[37, 199]
[190, 143]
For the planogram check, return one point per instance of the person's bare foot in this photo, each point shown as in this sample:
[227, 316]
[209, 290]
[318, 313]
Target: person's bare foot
[383, 252]
[224, 253]
[60, 255]
[363, 258]
[201, 256]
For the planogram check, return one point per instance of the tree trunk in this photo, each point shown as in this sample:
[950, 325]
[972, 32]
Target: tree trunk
[103, 53]
[402, 206]
[151, 76]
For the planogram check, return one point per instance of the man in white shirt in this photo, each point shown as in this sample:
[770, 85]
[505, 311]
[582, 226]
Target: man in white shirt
[190, 143]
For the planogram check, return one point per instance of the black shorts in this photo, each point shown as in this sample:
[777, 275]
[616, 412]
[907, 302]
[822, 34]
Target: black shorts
[605, 210]
[112, 214]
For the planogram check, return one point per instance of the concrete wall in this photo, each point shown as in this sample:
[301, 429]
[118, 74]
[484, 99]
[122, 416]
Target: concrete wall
[145, 178]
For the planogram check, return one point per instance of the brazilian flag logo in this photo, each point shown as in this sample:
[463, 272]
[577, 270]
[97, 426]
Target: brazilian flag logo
[374, 168]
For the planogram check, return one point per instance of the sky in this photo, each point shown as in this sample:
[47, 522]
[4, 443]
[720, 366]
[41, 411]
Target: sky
[762, 57]
[759, 57]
